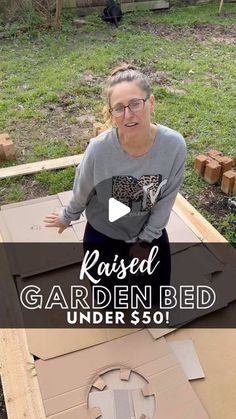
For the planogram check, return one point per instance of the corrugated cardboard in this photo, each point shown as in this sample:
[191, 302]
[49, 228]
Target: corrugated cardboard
[65, 197]
[154, 360]
[78, 228]
[24, 223]
[31, 228]
[179, 232]
[133, 384]
[194, 266]
[185, 353]
[49, 343]
[216, 350]
[81, 338]
[198, 266]
[117, 404]
[225, 284]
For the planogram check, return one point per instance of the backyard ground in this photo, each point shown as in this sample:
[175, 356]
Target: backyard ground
[51, 93]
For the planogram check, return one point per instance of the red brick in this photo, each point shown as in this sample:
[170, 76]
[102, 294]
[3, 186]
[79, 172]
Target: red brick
[228, 181]
[7, 148]
[209, 159]
[212, 172]
[200, 164]
[214, 153]
[225, 162]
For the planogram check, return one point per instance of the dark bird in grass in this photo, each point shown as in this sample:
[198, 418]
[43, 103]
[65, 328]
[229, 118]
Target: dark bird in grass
[112, 12]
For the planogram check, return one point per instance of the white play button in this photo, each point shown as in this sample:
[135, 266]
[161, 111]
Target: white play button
[117, 210]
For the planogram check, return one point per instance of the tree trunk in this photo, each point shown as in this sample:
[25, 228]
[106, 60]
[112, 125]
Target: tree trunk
[59, 4]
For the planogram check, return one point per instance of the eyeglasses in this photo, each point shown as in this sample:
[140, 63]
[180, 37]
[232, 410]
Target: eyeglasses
[134, 106]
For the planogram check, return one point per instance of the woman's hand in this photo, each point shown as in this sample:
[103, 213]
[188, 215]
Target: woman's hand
[137, 250]
[53, 220]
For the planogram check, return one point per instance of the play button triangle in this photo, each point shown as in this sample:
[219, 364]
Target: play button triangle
[116, 210]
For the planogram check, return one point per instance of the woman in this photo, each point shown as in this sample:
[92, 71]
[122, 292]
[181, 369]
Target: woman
[137, 162]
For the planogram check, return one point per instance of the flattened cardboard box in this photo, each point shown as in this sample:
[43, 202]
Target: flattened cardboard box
[36, 210]
[54, 341]
[42, 343]
[178, 231]
[67, 381]
[216, 349]
[123, 379]
[24, 223]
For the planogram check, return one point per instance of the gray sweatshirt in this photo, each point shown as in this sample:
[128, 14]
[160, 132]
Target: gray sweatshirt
[147, 184]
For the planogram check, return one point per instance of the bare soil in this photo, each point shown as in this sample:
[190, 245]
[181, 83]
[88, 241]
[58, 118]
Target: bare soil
[203, 32]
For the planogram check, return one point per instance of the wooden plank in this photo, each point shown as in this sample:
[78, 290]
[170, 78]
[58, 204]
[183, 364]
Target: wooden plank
[145, 5]
[125, 7]
[20, 385]
[30, 168]
[205, 231]
[198, 224]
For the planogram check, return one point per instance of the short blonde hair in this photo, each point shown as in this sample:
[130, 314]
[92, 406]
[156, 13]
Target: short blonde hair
[123, 73]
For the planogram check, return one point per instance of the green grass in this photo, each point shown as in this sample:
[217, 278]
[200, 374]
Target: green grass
[57, 181]
[65, 71]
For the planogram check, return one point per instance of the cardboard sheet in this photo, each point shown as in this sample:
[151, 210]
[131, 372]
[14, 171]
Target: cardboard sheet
[114, 404]
[50, 342]
[185, 353]
[64, 197]
[160, 332]
[195, 266]
[225, 283]
[138, 404]
[180, 235]
[78, 228]
[153, 360]
[23, 223]
[216, 350]
[178, 231]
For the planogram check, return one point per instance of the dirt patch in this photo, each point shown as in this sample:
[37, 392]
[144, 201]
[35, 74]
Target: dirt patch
[199, 31]
[88, 77]
[65, 119]
[156, 77]
[34, 189]
[75, 132]
[213, 201]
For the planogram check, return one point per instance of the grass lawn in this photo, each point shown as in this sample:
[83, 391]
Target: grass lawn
[51, 93]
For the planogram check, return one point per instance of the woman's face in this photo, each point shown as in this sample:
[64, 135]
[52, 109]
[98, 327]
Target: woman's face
[130, 123]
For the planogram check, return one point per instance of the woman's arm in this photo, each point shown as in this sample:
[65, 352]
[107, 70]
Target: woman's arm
[83, 189]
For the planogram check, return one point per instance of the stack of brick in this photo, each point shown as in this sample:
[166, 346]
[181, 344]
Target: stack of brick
[214, 167]
[228, 184]
[7, 149]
